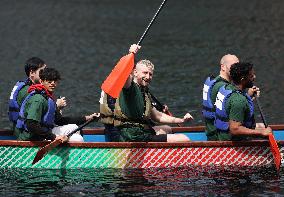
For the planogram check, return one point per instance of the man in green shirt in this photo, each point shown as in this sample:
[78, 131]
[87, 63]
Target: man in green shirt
[20, 91]
[234, 107]
[38, 113]
[210, 90]
[131, 113]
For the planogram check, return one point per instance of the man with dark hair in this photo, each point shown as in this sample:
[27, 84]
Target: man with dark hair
[210, 89]
[38, 113]
[32, 66]
[20, 91]
[234, 107]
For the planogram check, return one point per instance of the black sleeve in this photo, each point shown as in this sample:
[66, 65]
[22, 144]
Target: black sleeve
[35, 128]
[60, 120]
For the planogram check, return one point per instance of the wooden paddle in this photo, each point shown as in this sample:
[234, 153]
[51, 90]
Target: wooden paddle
[42, 152]
[160, 107]
[272, 142]
[118, 76]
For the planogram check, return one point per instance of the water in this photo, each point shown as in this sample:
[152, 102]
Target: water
[165, 182]
[84, 39]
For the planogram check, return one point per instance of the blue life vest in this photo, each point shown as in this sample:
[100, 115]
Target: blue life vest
[14, 106]
[47, 121]
[222, 120]
[208, 110]
[250, 122]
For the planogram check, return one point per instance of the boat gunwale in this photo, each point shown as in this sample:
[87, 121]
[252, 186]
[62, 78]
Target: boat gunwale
[209, 144]
[100, 130]
[95, 131]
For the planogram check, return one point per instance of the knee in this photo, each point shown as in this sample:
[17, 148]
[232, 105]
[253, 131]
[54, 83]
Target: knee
[168, 129]
[76, 138]
[71, 127]
[163, 129]
[177, 138]
[184, 137]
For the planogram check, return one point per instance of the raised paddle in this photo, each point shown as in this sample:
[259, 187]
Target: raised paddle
[118, 76]
[42, 152]
[160, 107]
[272, 142]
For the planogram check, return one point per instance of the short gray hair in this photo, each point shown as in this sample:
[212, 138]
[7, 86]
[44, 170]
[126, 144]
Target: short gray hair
[146, 63]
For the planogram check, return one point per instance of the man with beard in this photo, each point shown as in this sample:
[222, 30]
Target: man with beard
[128, 118]
[210, 90]
[234, 107]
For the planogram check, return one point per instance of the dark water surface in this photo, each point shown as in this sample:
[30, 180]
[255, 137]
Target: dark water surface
[164, 182]
[84, 39]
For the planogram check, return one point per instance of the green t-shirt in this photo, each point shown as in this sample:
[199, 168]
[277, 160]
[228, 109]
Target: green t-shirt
[131, 101]
[35, 109]
[210, 129]
[23, 93]
[237, 108]
[132, 104]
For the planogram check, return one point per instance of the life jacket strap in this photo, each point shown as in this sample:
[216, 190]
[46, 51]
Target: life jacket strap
[14, 109]
[208, 109]
[221, 118]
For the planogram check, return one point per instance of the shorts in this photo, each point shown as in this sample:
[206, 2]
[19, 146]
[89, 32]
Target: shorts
[138, 134]
[111, 133]
[158, 138]
[65, 129]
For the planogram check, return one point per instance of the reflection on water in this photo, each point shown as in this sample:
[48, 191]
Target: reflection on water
[150, 182]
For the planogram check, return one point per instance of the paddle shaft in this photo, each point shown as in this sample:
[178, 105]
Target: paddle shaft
[81, 127]
[150, 24]
[119, 75]
[261, 112]
[160, 105]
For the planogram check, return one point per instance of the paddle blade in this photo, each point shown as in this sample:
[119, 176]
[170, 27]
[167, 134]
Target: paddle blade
[41, 153]
[118, 76]
[275, 151]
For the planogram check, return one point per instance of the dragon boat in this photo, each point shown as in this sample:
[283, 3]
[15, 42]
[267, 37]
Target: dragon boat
[95, 152]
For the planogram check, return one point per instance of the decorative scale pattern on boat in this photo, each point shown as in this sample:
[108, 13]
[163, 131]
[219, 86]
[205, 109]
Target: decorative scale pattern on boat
[71, 157]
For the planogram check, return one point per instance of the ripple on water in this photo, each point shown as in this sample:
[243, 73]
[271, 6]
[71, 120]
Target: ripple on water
[174, 181]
